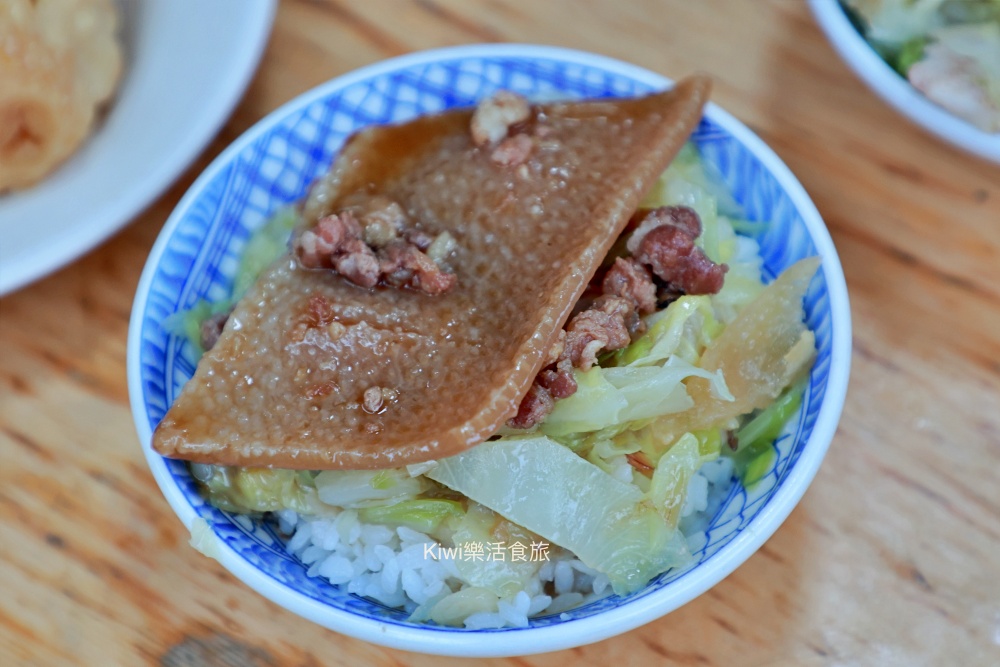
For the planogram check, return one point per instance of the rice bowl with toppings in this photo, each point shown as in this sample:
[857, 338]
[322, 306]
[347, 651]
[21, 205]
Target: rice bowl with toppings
[403, 562]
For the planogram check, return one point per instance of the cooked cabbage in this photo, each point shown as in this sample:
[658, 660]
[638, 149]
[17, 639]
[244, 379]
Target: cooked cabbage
[893, 22]
[607, 397]
[264, 246]
[367, 488]
[948, 49]
[539, 484]
[961, 72]
[257, 489]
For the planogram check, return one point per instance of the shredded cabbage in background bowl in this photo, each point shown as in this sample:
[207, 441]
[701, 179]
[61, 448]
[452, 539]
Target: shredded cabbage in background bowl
[947, 49]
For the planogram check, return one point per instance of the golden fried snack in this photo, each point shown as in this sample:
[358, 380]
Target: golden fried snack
[315, 371]
[60, 60]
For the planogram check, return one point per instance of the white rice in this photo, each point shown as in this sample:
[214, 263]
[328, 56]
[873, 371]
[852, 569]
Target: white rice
[392, 566]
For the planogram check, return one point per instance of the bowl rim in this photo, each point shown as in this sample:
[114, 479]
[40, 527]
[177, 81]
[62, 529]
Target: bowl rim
[895, 90]
[576, 632]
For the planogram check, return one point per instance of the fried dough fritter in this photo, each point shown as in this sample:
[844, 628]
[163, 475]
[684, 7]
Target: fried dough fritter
[60, 61]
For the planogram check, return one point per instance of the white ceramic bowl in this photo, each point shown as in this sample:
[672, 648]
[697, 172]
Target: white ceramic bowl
[182, 77]
[896, 90]
[273, 163]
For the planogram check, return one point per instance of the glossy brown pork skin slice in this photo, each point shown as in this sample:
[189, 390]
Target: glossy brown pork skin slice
[283, 386]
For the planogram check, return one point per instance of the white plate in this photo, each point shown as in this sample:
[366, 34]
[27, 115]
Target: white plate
[896, 90]
[186, 64]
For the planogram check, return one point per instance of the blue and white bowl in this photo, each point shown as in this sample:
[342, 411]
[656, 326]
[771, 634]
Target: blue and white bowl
[273, 163]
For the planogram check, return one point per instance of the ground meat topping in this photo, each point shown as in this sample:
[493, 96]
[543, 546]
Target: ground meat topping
[535, 406]
[404, 265]
[664, 241]
[211, 329]
[555, 352]
[317, 247]
[319, 391]
[419, 238]
[732, 441]
[602, 327]
[605, 325]
[674, 257]
[513, 151]
[495, 115]
[373, 242]
[372, 400]
[629, 279]
[559, 381]
[382, 220]
[682, 217]
[357, 262]
[319, 312]
[501, 123]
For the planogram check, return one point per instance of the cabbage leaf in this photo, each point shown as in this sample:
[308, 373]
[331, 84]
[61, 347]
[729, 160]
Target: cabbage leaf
[539, 484]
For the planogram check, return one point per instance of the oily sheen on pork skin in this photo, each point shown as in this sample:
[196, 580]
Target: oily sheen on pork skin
[291, 381]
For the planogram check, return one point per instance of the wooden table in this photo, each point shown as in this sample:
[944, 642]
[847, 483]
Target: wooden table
[893, 555]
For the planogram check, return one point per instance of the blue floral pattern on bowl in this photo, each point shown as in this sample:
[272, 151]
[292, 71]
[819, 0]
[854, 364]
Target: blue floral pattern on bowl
[274, 166]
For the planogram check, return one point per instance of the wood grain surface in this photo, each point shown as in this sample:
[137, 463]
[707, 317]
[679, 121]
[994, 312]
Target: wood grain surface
[893, 555]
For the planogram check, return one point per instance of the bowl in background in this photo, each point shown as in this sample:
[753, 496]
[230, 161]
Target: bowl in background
[273, 164]
[181, 79]
[894, 89]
